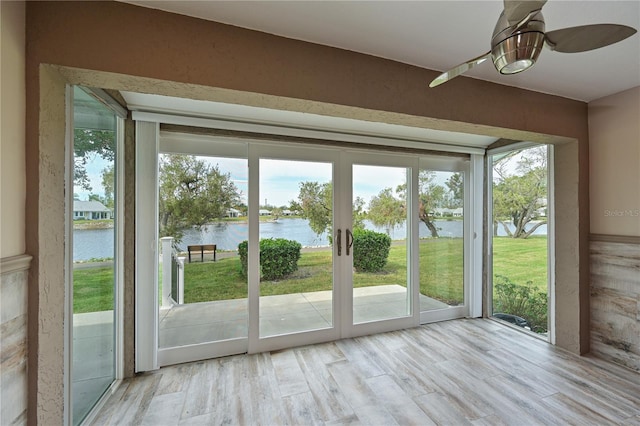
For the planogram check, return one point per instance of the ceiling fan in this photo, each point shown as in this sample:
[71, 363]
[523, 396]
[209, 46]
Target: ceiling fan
[519, 36]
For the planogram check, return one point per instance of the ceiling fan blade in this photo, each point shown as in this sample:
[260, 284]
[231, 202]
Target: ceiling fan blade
[460, 69]
[517, 10]
[587, 37]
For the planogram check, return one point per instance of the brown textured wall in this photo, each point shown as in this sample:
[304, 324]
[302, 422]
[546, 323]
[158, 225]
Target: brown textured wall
[45, 241]
[614, 144]
[12, 133]
[137, 41]
[181, 52]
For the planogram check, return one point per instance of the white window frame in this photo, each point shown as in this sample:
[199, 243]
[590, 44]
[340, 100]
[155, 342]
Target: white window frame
[146, 232]
[551, 254]
[70, 215]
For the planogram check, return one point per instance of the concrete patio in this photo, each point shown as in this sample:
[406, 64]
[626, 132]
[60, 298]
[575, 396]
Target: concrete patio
[219, 320]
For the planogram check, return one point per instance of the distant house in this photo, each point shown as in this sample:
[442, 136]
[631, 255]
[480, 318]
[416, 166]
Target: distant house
[287, 213]
[234, 213]
[442, 212]
[90, 210]
[264, 212]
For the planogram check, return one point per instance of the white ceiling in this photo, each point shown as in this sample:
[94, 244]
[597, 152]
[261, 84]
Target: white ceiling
[441, 34]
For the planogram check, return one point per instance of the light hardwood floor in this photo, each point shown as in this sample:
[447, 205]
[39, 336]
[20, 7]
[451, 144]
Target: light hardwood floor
[458, 372]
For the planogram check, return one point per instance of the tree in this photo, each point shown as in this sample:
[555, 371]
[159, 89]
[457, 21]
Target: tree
[430, 197]
[276, 212]
[96, 197]
[455, 184]
[87, 143]
[519, 197]
[387, 211]
[108, 184]
[315, 203]
[359, 215]
[295, 207]
[192, 193]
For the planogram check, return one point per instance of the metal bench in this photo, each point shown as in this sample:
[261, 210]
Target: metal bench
[202, 248]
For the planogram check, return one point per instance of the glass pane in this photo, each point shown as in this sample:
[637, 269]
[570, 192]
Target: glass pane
[520, 238]
[380, 244]
[93, 242]
[296, 219]
[441, 202]
[203, 220]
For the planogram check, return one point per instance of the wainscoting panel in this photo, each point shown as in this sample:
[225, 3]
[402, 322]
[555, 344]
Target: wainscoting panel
[13, 339]
[615, 299]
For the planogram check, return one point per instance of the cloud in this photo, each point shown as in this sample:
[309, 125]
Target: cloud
[301, 170]
[280, 179]
[368, 181]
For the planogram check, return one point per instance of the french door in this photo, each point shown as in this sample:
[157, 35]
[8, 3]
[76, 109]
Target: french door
[354, 217]
[338, 290]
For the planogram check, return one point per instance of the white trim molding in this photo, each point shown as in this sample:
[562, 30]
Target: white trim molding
[21, 262]
[381, 140]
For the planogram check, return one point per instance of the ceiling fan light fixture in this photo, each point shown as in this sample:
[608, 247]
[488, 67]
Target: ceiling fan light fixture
[518, 52]
[519, 36]
[517, 66]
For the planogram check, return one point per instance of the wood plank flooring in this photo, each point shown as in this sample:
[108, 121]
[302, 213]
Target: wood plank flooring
[462, 372]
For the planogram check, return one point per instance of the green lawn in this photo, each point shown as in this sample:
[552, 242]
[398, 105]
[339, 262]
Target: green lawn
[439, 259]
[441, 272]
[521, 260]
[92, 289]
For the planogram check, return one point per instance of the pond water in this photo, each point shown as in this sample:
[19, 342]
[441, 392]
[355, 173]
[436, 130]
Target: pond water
[98, 243]
[93, 244]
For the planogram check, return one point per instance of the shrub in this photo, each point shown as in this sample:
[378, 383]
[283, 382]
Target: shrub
[243, 249]
[278, 257]
[370, 250]
[525, 301]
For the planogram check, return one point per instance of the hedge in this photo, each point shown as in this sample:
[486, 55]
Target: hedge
[278, 257]
[370, 250]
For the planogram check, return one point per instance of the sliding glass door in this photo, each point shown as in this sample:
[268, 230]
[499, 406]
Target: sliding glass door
[202, 229]
[380, 241]
[443, 223]
[296, 261]
[266, 245]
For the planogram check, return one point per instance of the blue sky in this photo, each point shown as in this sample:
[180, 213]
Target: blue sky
[94, 167]
[280, 179]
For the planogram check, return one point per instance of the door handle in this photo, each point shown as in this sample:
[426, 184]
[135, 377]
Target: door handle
[339, 242]
[349, 243]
